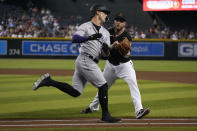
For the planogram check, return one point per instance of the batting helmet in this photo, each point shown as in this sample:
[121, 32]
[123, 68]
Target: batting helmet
[99, 7]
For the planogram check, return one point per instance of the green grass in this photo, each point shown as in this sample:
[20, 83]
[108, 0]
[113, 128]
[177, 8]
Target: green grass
[166, 99]
[165, 65]
[37, 63]
[18, 100]
[111, 129]
[140, 65]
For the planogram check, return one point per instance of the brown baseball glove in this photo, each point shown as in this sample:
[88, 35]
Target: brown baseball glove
[123, 47]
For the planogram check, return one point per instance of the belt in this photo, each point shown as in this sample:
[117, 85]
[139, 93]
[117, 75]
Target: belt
[95, 60]
[91, 57]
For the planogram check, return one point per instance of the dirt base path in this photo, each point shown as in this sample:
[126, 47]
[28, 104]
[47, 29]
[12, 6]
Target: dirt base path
[92, 122]
[182, 77]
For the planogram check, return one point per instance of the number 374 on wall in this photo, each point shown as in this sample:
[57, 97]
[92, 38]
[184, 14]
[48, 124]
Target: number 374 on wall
[14, 52]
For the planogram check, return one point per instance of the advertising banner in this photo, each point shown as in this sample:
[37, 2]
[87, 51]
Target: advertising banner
[147, 49]
[50, 48]
[169, 5]
[187, 49]
[3, 47]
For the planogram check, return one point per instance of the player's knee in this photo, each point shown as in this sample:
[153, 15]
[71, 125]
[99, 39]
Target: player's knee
[104, 87]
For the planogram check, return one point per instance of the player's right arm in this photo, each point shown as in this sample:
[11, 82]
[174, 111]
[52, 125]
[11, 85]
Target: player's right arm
[79, 35]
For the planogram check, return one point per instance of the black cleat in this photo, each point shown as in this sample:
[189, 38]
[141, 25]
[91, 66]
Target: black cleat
[43, 81]
[86, 111]
[141, 113]
[110, 120]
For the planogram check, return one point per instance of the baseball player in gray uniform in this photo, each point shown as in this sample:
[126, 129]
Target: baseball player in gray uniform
[94, 39]
[119, 66]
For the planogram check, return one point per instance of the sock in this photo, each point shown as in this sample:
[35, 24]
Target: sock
[64, 87]
[103, 99]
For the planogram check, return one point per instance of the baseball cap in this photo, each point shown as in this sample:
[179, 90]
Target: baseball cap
[120, 17]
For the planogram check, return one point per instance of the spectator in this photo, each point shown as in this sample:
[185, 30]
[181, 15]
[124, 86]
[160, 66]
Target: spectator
[191, 35]
[174, 36]
[33, 22]
[143, 35]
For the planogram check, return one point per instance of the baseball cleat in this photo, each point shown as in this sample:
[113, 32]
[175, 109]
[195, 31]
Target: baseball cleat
[43, 81]
[110, 120]
[86, 111]
[141, 113]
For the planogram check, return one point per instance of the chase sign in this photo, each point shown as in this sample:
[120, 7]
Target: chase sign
[57, 48]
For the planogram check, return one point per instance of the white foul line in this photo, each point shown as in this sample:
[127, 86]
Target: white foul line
[97, 124]
[74, 120]
[47, 120]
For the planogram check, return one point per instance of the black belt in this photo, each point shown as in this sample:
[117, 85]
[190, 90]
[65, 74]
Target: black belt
[91, 57]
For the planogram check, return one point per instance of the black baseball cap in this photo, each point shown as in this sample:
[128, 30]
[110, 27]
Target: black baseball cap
[120, 17]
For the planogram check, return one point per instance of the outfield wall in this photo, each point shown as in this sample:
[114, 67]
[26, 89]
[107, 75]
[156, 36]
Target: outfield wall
[64, 48]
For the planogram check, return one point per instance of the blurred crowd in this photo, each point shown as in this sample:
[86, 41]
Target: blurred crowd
[17, 22]
[161, 32]
[33, 22]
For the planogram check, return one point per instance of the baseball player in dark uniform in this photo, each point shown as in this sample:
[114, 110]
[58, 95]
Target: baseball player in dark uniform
[120, 66]
[95, 40]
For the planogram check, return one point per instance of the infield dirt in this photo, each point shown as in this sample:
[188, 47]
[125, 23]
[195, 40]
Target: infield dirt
[180, 77]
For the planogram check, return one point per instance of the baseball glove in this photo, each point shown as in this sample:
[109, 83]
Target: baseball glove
[123, 47]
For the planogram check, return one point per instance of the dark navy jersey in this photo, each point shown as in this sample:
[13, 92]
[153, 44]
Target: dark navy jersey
[115, 57]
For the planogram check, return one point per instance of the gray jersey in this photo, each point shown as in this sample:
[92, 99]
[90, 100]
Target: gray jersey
[92, 47]
[86, 70]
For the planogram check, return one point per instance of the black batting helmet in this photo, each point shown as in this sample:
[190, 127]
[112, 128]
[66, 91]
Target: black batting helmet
[99, 7]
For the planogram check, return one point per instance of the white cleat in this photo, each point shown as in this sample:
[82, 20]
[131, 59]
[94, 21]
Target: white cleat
[43, 81]
[141, 113]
